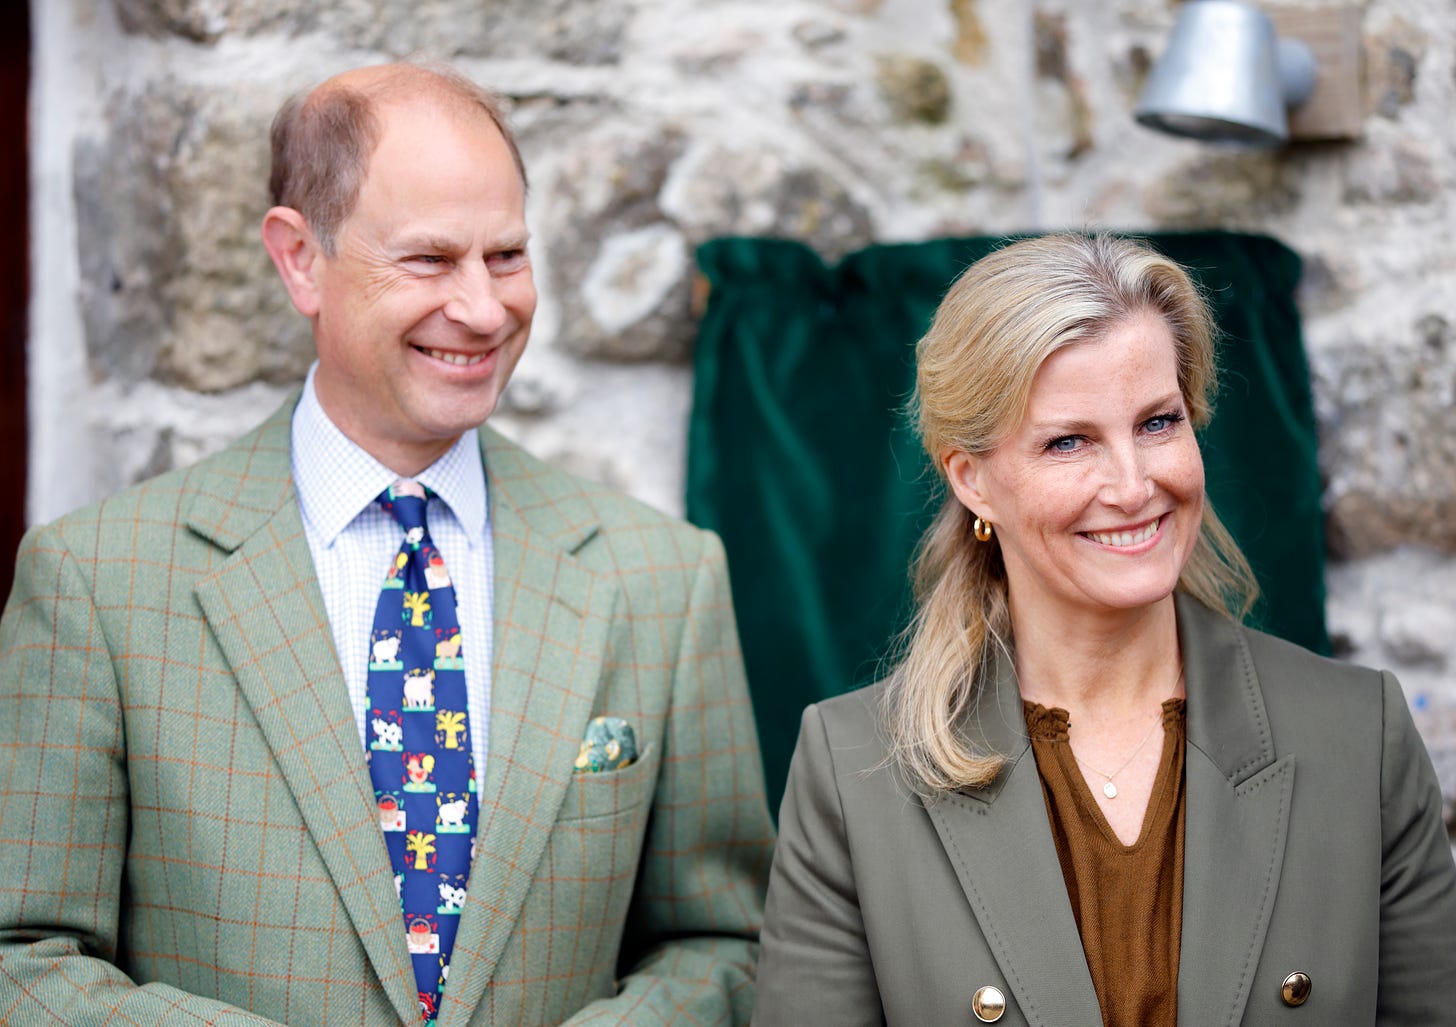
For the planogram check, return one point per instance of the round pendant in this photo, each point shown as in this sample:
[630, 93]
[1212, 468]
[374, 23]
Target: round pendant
[1109, 790]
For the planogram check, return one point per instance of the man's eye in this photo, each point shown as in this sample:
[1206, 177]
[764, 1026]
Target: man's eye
[507, 260]
[427, 258]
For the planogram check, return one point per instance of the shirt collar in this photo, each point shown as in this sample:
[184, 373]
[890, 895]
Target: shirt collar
[337, 480]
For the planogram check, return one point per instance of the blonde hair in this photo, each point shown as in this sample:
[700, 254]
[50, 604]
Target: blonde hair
[1000, 320]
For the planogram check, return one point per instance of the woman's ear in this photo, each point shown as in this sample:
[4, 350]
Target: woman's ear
[964, 472]
[296, 254]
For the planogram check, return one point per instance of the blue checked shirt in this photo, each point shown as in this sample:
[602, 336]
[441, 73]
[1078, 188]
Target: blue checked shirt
[353, 542]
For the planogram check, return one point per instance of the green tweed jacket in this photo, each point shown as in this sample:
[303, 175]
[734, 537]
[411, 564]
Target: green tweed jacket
[187, 830]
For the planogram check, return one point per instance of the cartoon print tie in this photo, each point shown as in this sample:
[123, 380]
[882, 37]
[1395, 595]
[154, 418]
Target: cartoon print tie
[419, 749]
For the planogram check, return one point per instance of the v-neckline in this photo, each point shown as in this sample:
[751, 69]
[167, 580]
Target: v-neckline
[1052, 724]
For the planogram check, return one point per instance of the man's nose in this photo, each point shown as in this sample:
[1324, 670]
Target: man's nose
[475, 303]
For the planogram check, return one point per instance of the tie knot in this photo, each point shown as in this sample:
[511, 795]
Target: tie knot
[405, 500]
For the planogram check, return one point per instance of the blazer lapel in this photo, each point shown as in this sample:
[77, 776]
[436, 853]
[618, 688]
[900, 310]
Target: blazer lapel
[1238, 816]
[264, 606]
[552, 617]
[1001, 845]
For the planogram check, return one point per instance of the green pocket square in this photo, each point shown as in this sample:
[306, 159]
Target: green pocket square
[609, 744]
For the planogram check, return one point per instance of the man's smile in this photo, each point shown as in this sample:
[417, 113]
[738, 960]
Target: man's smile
[449, 357]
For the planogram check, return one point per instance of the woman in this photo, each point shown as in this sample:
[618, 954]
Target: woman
[1086, 793]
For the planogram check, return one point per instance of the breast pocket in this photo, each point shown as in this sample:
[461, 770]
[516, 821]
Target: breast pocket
[585, 880]
[609, 793]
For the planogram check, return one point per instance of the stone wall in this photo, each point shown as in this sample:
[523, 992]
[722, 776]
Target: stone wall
[159, 330]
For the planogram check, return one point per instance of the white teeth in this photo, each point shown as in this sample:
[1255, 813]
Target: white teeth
[1125, 538]
[458, 359]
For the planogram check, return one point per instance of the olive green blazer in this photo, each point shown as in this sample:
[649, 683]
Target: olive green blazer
[1313, 844]
[187, 830]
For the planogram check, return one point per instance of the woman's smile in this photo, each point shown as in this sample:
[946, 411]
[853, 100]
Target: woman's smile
[1125, 538]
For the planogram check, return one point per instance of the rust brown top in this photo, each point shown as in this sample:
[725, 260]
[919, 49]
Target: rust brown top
[1127, 899]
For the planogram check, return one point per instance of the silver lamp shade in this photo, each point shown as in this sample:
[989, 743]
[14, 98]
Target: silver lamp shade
[1226, 76]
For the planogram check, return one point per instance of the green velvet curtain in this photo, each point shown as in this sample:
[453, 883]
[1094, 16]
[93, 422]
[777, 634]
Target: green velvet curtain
[801, 458]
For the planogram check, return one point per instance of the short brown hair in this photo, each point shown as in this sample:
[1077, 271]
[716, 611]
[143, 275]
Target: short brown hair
[322, 139]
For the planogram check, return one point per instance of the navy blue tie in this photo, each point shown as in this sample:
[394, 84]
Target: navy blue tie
[419, 743]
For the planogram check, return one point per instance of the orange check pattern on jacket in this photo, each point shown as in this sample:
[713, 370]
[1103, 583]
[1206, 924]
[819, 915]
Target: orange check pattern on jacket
[187, 831]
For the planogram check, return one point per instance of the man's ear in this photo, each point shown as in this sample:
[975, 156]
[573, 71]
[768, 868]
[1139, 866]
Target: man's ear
[296, 254]
[963, 471]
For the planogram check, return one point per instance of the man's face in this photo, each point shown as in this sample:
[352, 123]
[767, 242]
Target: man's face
[427, 304]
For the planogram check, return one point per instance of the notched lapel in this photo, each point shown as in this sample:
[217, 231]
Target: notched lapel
[1238, 797]
[1232, 859]
[552, 619]
[1001, 846]
[264, 606]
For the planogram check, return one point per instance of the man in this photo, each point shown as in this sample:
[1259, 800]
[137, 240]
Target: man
[213, 808]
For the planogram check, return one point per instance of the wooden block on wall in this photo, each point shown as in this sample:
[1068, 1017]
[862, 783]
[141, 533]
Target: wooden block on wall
[1336, 109]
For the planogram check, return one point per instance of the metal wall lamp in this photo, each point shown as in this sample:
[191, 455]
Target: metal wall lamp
[1234, 73]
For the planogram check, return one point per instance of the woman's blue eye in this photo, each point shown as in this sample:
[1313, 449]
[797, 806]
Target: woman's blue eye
[1065, 444]
[1162, 422]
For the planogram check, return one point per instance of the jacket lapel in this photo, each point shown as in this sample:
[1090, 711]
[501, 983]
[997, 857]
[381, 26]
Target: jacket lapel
[1001, 846]
[264, 606]
[1238, 818]
[552, 616]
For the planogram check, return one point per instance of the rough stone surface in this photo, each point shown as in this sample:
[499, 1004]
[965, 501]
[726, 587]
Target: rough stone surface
[1402, 173]
[971, 41]
[559, 30]
[1398, 611]
[1328, 282]
[818, 35]
[174, 283]
[634, 274]
[1229, 189]
[1391, 466]
[1053, 65]
[1394, 50]
[554, 30]
[717, 190]
[200, 20]
[620, 267]
[916, 89]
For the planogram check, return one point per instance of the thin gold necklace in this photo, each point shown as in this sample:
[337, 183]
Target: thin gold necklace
[1108, 788]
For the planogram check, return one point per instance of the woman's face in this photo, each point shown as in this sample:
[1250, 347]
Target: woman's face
[1097, 495]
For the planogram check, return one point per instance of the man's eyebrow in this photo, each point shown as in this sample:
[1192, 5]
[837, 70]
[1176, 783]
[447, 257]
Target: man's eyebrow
[448, 244]
[428, 242]
[512, 241]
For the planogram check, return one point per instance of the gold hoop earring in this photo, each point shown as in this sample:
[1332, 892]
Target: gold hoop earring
[982, 530]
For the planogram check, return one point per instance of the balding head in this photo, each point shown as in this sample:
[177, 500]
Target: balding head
[322, 139]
